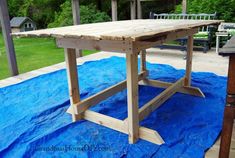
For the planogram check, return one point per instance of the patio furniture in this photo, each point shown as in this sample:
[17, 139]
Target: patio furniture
[224, 30]
[229, 111]
[130, 37]
[203, 37]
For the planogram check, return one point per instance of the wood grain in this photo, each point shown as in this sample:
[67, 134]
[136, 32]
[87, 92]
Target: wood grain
[130, 30]
[71, 65]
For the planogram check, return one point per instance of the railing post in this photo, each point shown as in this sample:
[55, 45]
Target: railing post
[114, 10]
[6, 29]
[76, 12]
[139, 9]
[133, 9]
[184, 6]
[76, 20]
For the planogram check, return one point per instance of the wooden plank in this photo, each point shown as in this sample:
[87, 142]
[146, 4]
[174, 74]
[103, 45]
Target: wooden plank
[227, 129]
[231, 77]
[134, 29]
[133, 9]
[140, 31]
[117, 46]
[151, 30]
[186, 90]
[150, 135]
[104, 94]
[145, 44]
[105, 120]
[229, 111]
[143, 61]
[114, 10]
[153, 104]
[104, 45]
[132, 96]
[71, 65]
[187, 81]
[121, 126]
[9, 45]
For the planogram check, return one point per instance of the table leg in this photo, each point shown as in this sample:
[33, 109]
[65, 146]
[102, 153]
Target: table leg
[187, 81]
[217, 44]
[78, 53]
[143, 62]
[229, 112]
[227, 130]
[132, 97]
[231, 80]
[71, 65]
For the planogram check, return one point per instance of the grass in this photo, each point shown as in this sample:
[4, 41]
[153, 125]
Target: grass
[31, 54]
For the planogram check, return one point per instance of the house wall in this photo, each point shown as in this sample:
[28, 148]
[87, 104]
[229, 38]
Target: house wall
[15, 30]
[28, 26]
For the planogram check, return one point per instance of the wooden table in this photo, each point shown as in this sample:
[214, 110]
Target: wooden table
[131, 37]
[229, 111]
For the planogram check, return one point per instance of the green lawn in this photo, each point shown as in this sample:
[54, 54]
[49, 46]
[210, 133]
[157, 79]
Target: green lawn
[31, 54]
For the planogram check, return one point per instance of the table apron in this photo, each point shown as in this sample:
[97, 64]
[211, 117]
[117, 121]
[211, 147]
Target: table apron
[102, 45]
[122, 46]
[148, 43]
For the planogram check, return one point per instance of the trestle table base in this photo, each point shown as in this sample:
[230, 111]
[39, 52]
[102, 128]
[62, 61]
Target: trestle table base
[79, 109]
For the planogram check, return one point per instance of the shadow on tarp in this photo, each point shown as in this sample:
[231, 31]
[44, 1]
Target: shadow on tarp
[34, 122]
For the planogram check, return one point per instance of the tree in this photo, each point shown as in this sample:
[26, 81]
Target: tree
[89, 14]
[14, 7]
[41, 11]
[223, 8]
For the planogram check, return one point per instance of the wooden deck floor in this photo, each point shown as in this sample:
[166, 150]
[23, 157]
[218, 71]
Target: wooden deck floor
[202, 62]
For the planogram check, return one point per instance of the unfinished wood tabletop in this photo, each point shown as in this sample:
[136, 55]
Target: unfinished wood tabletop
[132, 30]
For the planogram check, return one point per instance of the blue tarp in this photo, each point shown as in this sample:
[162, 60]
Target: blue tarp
[34, 122]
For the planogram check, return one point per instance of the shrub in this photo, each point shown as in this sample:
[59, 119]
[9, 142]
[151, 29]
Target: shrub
[88, 14]
[223, 8]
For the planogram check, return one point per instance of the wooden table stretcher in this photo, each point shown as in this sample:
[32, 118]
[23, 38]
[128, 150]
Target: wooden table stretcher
[131, 37]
